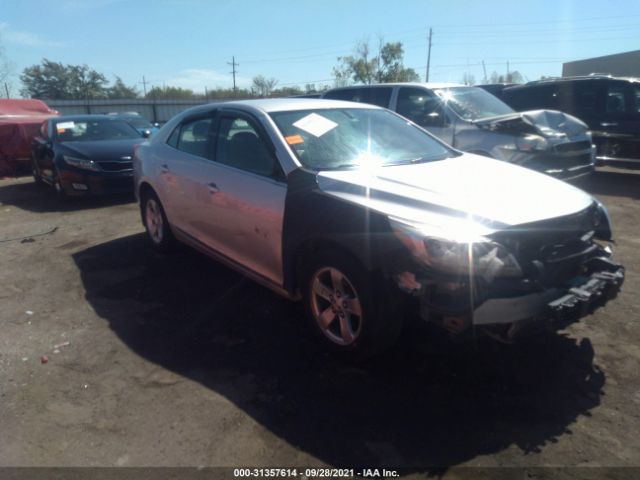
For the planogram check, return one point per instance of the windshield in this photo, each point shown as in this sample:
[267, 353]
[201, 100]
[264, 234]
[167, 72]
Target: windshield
[91, 130]
[326, 139]
[472, 103]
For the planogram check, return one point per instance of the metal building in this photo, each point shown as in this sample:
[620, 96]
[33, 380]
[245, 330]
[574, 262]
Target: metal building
[619, 65]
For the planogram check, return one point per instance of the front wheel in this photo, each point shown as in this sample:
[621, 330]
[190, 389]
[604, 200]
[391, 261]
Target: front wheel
[36, 172]
[347, 309]
[156, 224]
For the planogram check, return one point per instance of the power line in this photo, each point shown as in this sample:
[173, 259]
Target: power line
[429, 55]
[234, 64]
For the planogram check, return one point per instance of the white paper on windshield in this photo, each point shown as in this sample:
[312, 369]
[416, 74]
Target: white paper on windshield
[65, 125]
[315, 124]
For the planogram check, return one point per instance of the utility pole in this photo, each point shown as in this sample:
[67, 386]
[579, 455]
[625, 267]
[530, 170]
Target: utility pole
[234, 65]
[484, 69]
[144, 86]
[6, 89]
[429, 55]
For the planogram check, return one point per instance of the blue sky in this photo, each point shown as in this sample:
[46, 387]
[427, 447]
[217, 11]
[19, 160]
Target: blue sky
[188, 43]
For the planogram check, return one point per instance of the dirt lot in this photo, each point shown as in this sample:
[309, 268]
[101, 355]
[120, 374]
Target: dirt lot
[178, 361]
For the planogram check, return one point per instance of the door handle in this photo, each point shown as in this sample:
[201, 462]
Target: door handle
[609, 124]
[164, 168]
[213, 188]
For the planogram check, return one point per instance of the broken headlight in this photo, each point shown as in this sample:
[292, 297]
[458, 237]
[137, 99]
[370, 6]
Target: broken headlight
[478, 257]
[529, 143]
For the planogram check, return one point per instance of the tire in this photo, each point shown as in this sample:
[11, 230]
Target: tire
[57, 185]
[156, 224]
[36, 173]
[352, 313]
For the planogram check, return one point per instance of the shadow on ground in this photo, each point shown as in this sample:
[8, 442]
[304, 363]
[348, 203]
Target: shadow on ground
[414, 407]
[613, 183]
[42, 199]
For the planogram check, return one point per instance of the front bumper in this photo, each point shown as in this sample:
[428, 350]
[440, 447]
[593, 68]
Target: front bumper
[78, 183]
[508, 316]
[563, 165]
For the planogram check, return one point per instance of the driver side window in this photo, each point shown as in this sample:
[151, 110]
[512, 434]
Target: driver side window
[241, 146]
[420, 106]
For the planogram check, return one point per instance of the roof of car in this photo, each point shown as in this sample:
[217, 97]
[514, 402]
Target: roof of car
[84, 118]
[432, 85]
[577, 78]
[269, 105]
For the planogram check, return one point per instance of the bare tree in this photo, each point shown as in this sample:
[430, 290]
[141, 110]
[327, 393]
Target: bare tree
[6, 68]
[263, 86]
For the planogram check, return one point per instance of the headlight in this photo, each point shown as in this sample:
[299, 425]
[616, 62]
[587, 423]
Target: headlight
[529, 143]
[83, 163]
[602, 222]
[478, 257]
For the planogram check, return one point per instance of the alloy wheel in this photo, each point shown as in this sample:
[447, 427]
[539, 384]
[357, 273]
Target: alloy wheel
[336, 306]
[154, 220]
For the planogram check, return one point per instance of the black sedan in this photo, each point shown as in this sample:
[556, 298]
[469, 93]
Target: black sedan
[85, 154]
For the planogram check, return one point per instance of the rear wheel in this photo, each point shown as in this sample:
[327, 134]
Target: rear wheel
[348, 311]
[156, 224]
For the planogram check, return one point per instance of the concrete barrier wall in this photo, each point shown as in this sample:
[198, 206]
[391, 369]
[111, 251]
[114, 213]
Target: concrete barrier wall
[155, 110]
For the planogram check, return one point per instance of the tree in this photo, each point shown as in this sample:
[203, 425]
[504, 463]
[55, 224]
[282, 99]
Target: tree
[57, 81]
[287, 91]
[468, 79]
[391, 68]
[263, 86]
[121, 91]
[6, 67]
[511, 77]
[172, 93]
[386, 66]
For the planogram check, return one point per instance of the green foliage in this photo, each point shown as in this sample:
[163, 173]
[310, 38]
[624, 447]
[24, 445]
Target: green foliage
[362, 67]
[172, 93]
[121, 91]
[55, 80]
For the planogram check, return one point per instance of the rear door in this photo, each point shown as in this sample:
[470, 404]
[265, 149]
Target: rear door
[181, 163]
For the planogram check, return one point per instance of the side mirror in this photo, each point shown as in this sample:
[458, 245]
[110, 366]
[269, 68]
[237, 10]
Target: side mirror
[146, 134]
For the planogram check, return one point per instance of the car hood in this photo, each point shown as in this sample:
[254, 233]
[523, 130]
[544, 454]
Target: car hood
[482, 194]
[101, 149]
[549, 123]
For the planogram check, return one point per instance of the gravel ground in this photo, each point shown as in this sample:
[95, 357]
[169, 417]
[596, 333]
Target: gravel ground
[174, 360]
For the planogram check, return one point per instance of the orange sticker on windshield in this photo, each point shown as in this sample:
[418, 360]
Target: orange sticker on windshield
[294, 139]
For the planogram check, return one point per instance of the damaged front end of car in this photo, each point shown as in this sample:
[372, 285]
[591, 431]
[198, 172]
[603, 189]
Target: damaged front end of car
[547, 141]
[512, 280]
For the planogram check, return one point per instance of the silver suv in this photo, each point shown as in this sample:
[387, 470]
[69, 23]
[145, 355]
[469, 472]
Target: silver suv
[365, 217]
[473, 120]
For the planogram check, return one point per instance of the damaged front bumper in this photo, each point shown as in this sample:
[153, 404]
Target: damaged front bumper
[505, 316]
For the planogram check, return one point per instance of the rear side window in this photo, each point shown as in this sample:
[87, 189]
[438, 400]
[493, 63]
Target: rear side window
[615, 99]
[532, 98]
[582, 98]
[196, 137]
[348, 94]
[379, 96]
